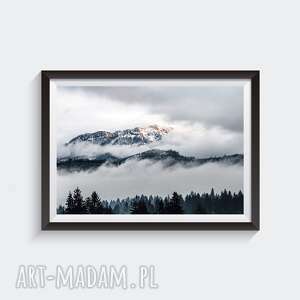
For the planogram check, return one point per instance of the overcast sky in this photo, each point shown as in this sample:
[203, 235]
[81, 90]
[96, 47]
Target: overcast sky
[207, 120]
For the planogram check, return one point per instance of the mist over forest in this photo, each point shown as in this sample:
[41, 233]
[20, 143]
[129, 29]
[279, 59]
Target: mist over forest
[136, 178]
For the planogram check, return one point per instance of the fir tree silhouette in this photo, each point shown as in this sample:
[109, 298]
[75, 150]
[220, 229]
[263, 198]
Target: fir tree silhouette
[159, 206]
[60, 209]
[138, 207]
[174, 205]
[93, 204]
[107, 209]
[69, 204]
[79, 204]
[224, 202]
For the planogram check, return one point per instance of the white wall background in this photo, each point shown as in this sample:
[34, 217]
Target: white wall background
[36, 35]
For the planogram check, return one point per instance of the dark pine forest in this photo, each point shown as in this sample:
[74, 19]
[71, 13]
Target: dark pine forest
[193, 203]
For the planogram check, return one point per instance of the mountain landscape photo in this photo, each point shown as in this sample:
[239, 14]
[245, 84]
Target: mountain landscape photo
[144, 150]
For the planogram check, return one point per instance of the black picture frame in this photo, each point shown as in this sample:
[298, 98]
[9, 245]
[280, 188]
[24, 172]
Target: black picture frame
[252, 75]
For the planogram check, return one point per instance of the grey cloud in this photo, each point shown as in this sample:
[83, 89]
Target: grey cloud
[211, 106]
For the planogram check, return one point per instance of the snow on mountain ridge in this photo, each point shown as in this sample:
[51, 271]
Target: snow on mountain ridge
[137, 136]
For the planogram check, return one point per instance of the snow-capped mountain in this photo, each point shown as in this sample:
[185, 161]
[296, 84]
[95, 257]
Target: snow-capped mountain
[137, 136]
[134, 136]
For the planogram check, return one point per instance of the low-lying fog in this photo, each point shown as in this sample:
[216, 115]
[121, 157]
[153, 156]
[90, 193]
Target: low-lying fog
[144, 177]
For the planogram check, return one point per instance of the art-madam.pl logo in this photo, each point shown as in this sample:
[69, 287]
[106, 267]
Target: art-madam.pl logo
[85, 277]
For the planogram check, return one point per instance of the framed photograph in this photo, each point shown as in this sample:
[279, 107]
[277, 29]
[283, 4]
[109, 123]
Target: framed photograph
[150, 150]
